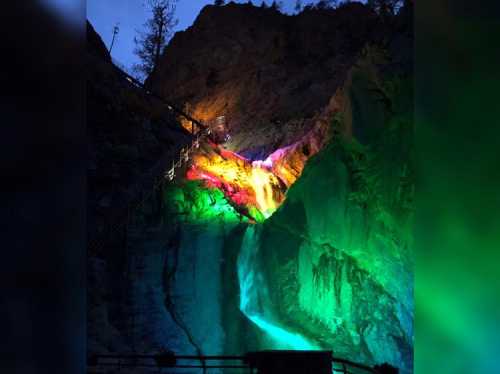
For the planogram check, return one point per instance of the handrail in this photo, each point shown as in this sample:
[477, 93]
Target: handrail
[160, 176]
[355, 364]
[170, 105]
[171, 361]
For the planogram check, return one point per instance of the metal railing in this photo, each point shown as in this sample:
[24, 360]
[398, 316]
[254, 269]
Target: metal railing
[172, 361]
[171, 107]
[139, 193]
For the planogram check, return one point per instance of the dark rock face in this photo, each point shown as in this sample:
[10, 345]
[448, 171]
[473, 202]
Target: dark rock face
[95, 45]
[130, 135]
[265, 71]
[131, 140]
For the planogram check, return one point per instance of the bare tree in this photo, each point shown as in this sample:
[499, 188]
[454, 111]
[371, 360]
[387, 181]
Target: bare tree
[157, 32]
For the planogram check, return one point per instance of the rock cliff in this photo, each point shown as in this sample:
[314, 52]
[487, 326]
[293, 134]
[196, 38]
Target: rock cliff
[321, 103]
[332, 267]
[131, 139]
[267, 72]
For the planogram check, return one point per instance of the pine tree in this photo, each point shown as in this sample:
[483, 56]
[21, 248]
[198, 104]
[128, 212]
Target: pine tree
[298, 6]
[308, 7]
[327, 4]
[157, 32]
[385, 8]
[277, 5]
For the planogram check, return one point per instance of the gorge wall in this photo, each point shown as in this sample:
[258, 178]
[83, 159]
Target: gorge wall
[267, 72]
[320, 112]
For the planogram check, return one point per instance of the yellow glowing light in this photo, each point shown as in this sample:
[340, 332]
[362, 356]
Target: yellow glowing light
[260, 187]
[225, 169]
[261, 182]
[286, 175]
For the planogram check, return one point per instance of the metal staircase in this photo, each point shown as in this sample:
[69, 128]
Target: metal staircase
[143, 189]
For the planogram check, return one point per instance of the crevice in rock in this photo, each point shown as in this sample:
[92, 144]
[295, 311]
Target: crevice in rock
[168, 275]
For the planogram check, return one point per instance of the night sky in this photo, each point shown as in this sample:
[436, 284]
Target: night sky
[104, 14]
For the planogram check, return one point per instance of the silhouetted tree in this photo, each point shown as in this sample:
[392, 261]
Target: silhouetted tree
[385, 7]
[277, 5]
[263, 5]
[298, 6]
[308, 6]
[322, 4]
[219, 2]
[327, 4]
[157, 32]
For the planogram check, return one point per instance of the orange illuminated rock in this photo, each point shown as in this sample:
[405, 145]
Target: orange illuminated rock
[258, 185]
[246, 184]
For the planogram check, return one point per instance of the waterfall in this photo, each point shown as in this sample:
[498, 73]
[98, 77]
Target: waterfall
[261, 180]
[254, 295]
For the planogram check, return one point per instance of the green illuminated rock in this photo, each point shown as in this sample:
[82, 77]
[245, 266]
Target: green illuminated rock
[192, 203]
[334, 263]
[332, 267]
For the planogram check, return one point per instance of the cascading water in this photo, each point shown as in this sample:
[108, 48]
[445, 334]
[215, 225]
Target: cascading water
[251, 187]
[254, 295]
[262, 184]
[256, 189]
